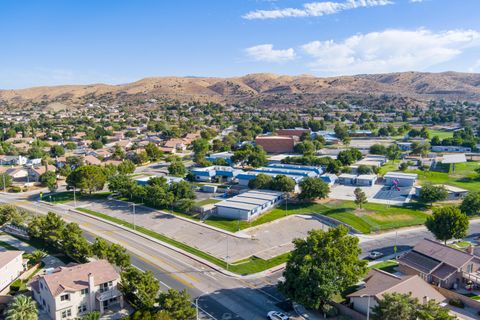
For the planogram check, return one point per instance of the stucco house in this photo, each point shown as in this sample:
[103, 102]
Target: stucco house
[11, 266]
[71, 292]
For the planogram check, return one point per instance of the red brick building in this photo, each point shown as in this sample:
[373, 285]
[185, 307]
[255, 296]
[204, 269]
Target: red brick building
[276, 144]
[296, 132]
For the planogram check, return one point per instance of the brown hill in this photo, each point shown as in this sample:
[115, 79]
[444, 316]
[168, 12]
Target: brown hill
[262, 89]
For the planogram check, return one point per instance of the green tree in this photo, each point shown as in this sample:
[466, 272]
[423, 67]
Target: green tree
[177, 168]
[447, 223]
[22, 308]
[430, 193]
[153, 151]
[364, 169]
[140, 288]
[126, 167]
[97, 144]
[261, 181]
[321, 266]
[5, 181]
[177, 304]
[74, 244]
[398, 306]
[360, 197]
[118, 153]
[313, 188]
[393, 152]
[10, 213]
[182, 190]
[87, 178]
[121, 184]
[36, 256]
[283, 183]
[57, 151]
[47, 228]
[49, 179]
[378, 149]
[471, 204]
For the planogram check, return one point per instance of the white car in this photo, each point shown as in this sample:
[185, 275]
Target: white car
[275, 315]
[375, 255]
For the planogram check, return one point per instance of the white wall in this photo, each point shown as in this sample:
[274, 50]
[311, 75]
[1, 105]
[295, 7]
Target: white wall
[10, 272]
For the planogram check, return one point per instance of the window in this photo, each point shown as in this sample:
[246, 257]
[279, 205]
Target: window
[84, 291]
[66, 313]
[65, 297]
[82, 308]
[41, 285]
[106, 286]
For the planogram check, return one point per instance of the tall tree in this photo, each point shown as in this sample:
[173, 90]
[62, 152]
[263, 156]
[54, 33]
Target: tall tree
[74, 243]
[22, 308]
[447, 223]
[360, 197]
[313, 188]
[322, 265]
[140, 288]
[471, 204]
[430, 193]
[177, 304]
[87, 178]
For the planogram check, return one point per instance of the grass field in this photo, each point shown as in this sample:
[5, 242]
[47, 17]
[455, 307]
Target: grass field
[67, 196]
[244, 267]
[387, 266]
[464, 176]
[373, 217]
[389, 166]
[440, 133]
[206, 201]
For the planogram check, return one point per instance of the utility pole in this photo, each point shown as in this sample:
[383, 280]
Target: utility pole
[74, 198]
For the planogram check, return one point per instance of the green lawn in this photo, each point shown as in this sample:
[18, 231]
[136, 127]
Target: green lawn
[207, 201]
[244, 267]
[67, 196]
[464, 176]
[387, 266]
[440, 133]
[389, 166]
[373, 217]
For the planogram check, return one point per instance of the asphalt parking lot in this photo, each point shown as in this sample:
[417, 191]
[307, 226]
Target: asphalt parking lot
[378, 193]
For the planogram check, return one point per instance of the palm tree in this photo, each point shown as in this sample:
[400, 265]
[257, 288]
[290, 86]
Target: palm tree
[37, 255]
[22, 308]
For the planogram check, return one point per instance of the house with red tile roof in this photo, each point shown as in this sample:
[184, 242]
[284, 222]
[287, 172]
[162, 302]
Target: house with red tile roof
[73, 291]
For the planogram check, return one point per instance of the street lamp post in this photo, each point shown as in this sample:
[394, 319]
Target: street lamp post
[74, 198]
[133, 207]
[286, 201]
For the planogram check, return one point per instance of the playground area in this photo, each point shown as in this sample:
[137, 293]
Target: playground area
[378, 193]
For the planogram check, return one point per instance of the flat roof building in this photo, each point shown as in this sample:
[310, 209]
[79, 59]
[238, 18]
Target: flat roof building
[276, 144]
[401, 179]
[248, 205]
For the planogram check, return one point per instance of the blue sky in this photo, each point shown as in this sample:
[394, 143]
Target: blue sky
[47, 42]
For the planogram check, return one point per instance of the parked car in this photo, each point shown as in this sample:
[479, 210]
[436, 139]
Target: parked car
[373, 255]
[275, 315]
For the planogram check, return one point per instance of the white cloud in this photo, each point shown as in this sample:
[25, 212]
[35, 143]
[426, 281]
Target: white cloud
[389, 50]
[475, 67]
[416, 1]
[265, 52]
[315, 9]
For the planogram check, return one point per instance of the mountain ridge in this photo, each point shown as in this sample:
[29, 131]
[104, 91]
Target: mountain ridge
[263, 89]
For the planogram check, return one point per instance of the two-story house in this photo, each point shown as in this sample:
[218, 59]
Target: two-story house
[440, 264]
[11, 266]
[70, 292]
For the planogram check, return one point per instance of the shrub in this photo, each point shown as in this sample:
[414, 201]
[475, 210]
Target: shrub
[330, 311]
[456, 303]
[15, 189]
[18, 285]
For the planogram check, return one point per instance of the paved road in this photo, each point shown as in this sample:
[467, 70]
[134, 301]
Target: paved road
[221, 296]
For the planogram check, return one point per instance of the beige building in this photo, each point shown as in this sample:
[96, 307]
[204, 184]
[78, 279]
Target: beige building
[11, 266]
[70, 292]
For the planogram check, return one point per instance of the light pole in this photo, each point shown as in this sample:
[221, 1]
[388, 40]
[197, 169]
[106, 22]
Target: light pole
[133, 207]
[227, 257]
[74, 198]
[286, 201]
